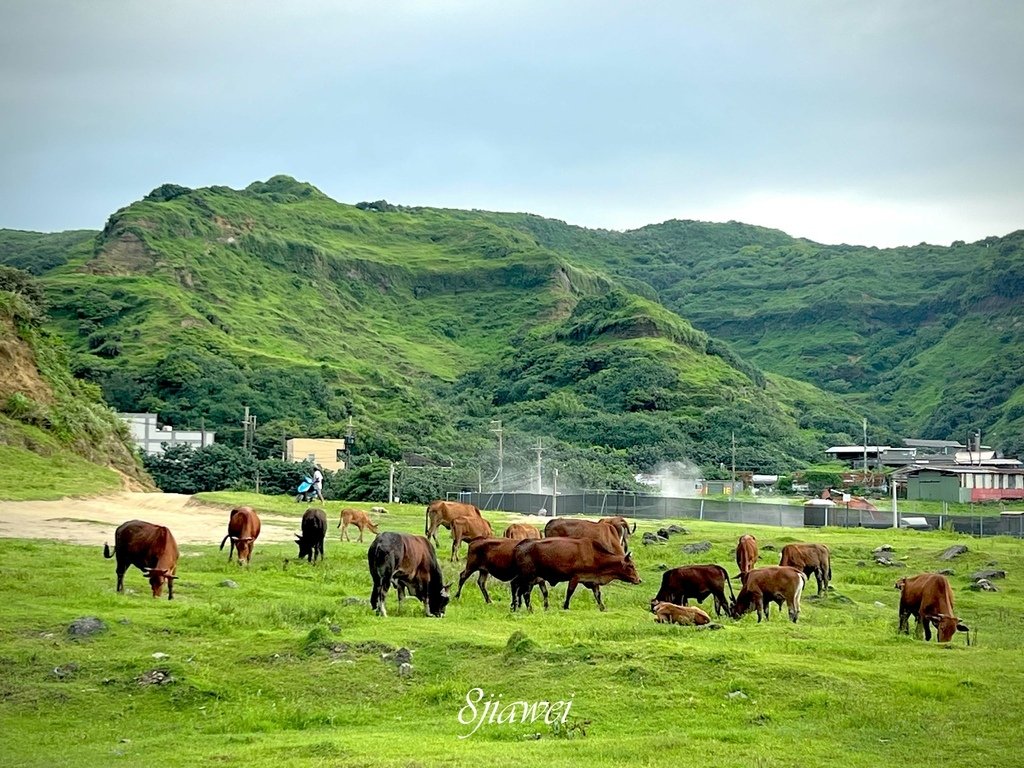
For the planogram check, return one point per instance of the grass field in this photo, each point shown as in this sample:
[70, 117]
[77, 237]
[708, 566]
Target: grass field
[287, 669]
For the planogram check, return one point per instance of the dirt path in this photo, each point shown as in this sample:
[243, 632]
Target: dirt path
[92, 521]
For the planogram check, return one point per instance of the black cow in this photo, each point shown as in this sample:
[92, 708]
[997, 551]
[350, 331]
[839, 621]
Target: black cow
[314, 530]
[410, 562]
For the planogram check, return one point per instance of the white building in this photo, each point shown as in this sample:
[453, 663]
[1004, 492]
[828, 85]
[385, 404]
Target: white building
[150, 438]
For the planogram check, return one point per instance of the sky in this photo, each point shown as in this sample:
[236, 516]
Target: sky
[876, 123]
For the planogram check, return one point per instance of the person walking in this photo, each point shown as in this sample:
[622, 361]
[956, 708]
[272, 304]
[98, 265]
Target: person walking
[318, 482]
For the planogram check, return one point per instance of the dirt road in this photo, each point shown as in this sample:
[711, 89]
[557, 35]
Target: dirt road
[92, 521]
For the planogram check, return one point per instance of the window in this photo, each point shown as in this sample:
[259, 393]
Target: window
[339, 455]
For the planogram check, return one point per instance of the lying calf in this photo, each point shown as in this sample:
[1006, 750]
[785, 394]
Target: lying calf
[670, 613]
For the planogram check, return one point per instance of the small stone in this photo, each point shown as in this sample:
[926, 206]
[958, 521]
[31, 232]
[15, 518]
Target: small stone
[992, 563]
[64, 671]
[229, 584]
[355, 601]
[86, 626]
[710, 627]
[402, 656]
[983, 585]
[955, 551]
[159, 655]
[947, 572]
[404, 669]
[768, 547]
[861, 563]
[988, 574]
[335, 629]
[879, 605]
[736, 695]
[662, 566]
[695, 549]
[652, 538]
[126, 622]
[155, 677]
[125, 741]
[883, 548]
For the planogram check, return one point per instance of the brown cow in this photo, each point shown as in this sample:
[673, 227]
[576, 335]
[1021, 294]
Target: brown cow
[243, 530]
[468, 529]
[678, 585]
[606, 533]
[520, 531]
[493, 557]
[670, 613]
[440, 514]
[359, 519]
[763, 586]
[407, 561]
[150, 548]
[809, 558]
[746, 555]
[929, 598]
[621, 525]
[577, 561]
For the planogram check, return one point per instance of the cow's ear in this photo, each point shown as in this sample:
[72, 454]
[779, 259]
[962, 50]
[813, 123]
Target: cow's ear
[170, 576]
[935, 619]
[629, 556]
[961, 627]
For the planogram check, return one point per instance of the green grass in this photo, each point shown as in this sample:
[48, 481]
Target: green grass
[26, 475]
[261, 678]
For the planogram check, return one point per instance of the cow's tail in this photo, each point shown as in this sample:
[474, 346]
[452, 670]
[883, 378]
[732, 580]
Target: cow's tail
[107, 551]
[426, 522]
[732, 595]
[800, 589]
[222, 541]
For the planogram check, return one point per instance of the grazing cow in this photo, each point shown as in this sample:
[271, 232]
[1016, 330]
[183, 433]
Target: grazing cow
[520, 531]
[929, 599]
[605, 533]
[150, 548]
[359, 519]
[468, 529]
[776, 584]
[243, 530]
[576, 561]
[621, 525]
[809, 558]
[670, 613]
[441, 513]
[493, 557]
[746, 555]
[679, 585]
[407, 561]
[314, 530]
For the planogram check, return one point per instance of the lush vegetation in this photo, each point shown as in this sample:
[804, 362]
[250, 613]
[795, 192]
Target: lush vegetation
[287, 669]
[619, 350]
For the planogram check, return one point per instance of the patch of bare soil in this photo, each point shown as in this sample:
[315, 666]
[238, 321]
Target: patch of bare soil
[93, 521]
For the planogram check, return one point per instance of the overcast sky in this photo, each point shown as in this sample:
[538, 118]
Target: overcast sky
[880, 123]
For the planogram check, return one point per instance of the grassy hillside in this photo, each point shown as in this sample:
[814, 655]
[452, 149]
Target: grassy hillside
[287, 669]
[57, 436]
[422, 325]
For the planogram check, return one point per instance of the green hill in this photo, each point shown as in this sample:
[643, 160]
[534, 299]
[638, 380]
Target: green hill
[423, 325]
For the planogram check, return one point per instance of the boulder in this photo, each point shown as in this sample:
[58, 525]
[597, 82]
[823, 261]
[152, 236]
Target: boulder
[664, 533]
[955, 551]
[983, 585]
[86, 626]
[652, 538]
[988, 574]
[883, 548]
[229, 584]
[678, 529]
[696, 549]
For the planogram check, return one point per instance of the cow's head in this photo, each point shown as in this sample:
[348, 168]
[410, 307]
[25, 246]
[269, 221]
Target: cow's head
[243, 545]
[900, 583]
[305, 550]
[629, 572]
[947, 626]
[438, 601]
[157, 578]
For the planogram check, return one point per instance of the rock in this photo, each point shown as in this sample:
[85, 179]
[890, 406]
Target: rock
[355, 601]
[700, 546]
[983, 585]
[405, 669]
[736, 695]
[678, 529]
[883, 548]
[652, 538]
[126, 622]
[158, 655]
[861, 563]
[991, 563]
[662, 566]
[84, 627]
[955, 551]
[403, 656]
[841, 599]
[711, 627]
[155, 677]
[988, 574]
[664, 533]
[947, 572]
[64, 671]
[378, 510]
[335, 629]
[229, 584]
[768, 547]
[879, 605]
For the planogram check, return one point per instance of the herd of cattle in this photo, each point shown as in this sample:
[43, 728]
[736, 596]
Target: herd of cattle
[591, 553]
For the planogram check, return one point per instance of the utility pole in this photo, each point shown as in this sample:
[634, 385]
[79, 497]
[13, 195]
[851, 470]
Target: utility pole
[391, 484]
[732, 490]
[895, 513]
[350, 437]
[864, 423]
[248, 431]
[554, 495]
[501, 454]
[479, 480]
[539, 449]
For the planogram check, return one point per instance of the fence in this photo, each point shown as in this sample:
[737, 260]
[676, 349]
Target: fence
[647, 507]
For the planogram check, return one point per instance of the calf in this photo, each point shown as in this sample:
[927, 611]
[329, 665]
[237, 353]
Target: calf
[577, 561]
[679, 585]
[763, 586]
[669, 613]
[408, 562]
[746, 555]
[468, 529]
[359, 519]
[929, 599]
[440, 514]
[243, 530]
[314, 531]
[811, 559]
[605, 533]
[520, 531]
[150, 548]
[493, 557]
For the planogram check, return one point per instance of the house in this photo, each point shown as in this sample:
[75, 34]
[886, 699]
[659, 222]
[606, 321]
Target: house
[964, 483]
[151, 438]
[329, 453]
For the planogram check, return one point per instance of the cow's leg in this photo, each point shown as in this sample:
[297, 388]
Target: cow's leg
[904, 623]
[544, 591]
[759, 605]
[573, 583]
[819, 576]
[170, 589]
[794, 609]
[596, 589]
[482, 581]
[120, 577]
[923, 621]
[455, 548]
[463, 577]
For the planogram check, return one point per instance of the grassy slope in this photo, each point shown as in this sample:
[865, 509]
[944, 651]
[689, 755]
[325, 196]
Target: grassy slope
[260, 679]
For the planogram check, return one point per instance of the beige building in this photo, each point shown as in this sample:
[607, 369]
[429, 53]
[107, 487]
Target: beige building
[327, 452]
